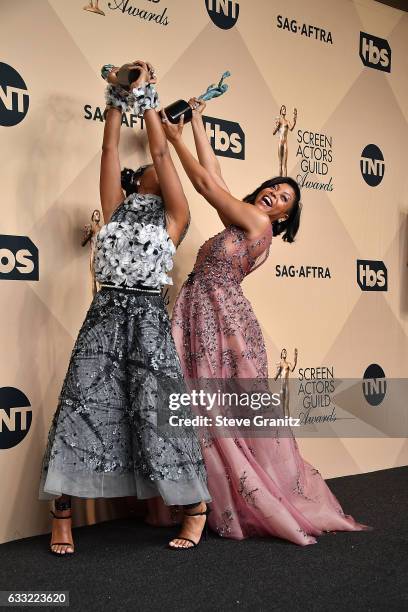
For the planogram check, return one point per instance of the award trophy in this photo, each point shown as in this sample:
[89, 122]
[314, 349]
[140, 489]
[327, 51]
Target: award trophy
[282, 125]
[93, 7]
[283, 371]
[128, 73]
[181, 107]
[90, 233]
[125, 76]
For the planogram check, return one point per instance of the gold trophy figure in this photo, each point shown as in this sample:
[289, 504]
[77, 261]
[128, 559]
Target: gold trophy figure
[284, 369]
[90, 232]
[93, 7]
[282, 125]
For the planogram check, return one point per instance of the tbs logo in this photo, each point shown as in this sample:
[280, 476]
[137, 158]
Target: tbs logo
[375, 52]
[14, 99]
[372, 275]
[372, 165]
[374, 384]
[18, 259]
[224, 13]
[15, 417]
[226, 137]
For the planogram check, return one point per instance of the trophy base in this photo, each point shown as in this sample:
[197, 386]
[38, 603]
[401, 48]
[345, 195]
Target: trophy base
[93, 9]
[178, 108]
[126, 76]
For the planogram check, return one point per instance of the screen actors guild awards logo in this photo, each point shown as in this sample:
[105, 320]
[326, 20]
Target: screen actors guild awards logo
[315, 152]
[93, 7]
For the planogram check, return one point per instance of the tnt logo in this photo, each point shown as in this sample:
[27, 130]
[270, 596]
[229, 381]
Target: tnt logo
[14, 98]
[375, 52]
[372, 165]
[224, 13]
[372, 275]
[15, 417]
[18, 258]
[226, 137]
[374, 384]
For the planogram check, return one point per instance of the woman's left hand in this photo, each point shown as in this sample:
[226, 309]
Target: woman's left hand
[173, 131]
[149, 69]
[197, 106]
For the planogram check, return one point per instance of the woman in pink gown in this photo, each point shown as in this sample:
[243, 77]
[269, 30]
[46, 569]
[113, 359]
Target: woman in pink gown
[259, 486]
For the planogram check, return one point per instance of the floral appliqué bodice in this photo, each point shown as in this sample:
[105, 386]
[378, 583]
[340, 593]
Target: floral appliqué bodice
[134, 248]
[215, 329]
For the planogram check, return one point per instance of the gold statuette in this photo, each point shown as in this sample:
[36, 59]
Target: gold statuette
[282, 126]
[93, 7]
[284, 368]
[90, 233]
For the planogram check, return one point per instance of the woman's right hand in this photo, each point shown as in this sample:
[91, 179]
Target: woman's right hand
[147, 66]
[197, 106]
[173, 131]
[147, 74]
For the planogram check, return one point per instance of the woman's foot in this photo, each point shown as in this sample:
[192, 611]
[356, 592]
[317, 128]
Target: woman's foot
[61, 535]
[192, 527]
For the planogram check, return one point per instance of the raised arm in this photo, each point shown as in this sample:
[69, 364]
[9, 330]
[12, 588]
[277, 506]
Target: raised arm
[205, 153]
[292, 125]
[242, 214]
[110, 185]
[277, 126]
[175, 201]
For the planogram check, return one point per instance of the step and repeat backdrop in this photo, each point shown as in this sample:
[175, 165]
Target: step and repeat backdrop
[339, 293]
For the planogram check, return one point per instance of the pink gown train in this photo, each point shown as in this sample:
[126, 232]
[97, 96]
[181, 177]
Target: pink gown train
[259, 486]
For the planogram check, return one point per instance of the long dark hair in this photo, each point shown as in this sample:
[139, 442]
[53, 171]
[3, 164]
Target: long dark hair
[129, 178]
[291, 225]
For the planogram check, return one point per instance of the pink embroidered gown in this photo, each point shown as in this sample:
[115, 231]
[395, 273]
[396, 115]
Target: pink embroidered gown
[259, 486]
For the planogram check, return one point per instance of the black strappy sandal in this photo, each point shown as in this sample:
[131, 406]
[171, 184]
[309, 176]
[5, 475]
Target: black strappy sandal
[203, 533]
[71, 544]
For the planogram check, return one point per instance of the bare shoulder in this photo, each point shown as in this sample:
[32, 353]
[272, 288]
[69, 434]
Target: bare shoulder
[261, 226]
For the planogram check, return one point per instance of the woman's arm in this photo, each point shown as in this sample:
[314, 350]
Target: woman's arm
[110, 184]
[242, 214]
[175, 201]
[205, 153]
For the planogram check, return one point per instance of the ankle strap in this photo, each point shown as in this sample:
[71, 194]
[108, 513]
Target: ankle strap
[60, 517]
[206, 513]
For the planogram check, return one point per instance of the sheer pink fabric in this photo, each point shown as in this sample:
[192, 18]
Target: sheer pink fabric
[259, 486]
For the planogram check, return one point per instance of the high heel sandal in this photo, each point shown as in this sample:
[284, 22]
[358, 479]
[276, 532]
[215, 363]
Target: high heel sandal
[204, 532]
[70, 544]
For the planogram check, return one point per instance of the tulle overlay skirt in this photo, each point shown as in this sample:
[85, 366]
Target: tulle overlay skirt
[259, 486]
[104, 440]
[263, 487]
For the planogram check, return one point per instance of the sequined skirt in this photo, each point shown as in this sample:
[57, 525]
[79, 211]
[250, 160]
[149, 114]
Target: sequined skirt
[104, 439]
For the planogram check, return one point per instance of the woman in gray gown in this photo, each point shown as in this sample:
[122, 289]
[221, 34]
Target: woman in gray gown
[106, 438]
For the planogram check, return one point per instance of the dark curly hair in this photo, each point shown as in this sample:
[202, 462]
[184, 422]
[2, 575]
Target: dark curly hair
[291, 225]
[129, 178]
